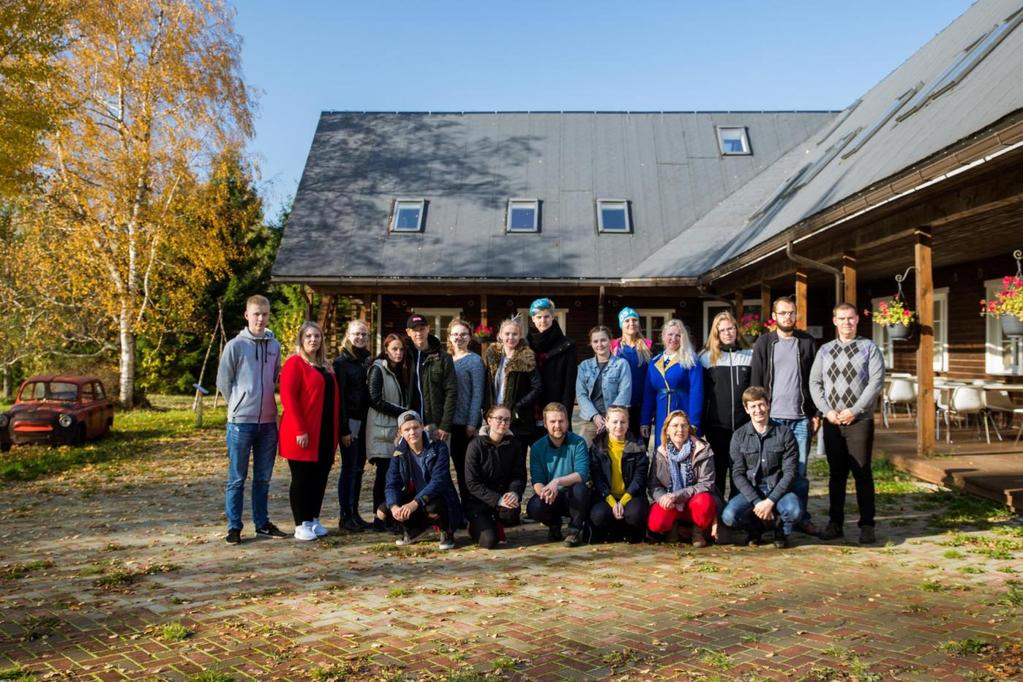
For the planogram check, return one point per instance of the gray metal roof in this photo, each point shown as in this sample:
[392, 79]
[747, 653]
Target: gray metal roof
[991, 91]
[467, 165]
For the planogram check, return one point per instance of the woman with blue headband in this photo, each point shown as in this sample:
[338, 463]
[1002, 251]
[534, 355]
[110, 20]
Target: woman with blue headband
[674, 381]
[634, 348]
[555, 358]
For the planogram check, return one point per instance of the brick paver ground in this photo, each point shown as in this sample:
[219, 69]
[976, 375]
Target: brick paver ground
[98, 566]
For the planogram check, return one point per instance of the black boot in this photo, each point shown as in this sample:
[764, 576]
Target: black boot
[348, 523]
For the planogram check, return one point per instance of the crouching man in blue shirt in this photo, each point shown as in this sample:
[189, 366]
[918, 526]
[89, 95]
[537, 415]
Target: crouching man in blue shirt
[765, 462]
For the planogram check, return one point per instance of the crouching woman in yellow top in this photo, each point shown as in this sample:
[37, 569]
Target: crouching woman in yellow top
[618, 469]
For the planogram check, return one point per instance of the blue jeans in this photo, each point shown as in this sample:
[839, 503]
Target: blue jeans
[261, 440]
[801, 430]
[738, 512]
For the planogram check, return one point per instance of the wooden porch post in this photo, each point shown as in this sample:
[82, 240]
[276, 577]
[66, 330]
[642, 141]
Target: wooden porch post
[366, 311]
[925, 351]
[738, 304]
[600, 306]
[849, 277]
[483, 309]
[765, 302]
[801, 300]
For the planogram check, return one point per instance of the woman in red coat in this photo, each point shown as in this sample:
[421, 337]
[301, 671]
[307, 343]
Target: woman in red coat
[309, 428]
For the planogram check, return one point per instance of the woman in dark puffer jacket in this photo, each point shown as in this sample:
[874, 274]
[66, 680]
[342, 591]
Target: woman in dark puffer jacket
[495, 473]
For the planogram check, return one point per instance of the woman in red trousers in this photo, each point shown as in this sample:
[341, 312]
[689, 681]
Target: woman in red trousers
[682, 480]
[309, 428]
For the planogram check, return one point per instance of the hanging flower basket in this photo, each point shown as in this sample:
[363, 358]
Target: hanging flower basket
[894, 315]
[1007, 306]
[483, 333]
[750, 326]
[899, 331]
[1012, 325]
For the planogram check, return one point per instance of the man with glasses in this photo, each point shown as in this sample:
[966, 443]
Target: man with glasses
[845, 381]
[781, 364]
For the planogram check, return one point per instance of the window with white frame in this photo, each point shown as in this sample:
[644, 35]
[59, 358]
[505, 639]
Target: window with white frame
[523, 215]
[559, 315]
[997, 347]
[884, 342]
[613, 216]
[439, 319]
[408, 215]
[652, 321]
[941, 329]
[733, 141]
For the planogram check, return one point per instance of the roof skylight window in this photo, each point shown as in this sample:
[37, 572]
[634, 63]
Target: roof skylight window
[814, 169]
[963, 64]
[839, 120]
[733, 141]
[408, 215]
[871, 130]
[613, 216]
[523, 215]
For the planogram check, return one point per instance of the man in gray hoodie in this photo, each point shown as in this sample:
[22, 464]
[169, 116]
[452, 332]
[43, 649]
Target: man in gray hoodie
[249, 367]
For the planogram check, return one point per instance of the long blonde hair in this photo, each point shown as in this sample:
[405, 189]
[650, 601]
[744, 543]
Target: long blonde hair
[684, 355]
[321, 353]
[457, 322]
[714, 338]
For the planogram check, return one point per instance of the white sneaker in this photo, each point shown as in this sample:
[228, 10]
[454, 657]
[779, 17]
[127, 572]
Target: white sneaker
[305, 531]
[318, 528]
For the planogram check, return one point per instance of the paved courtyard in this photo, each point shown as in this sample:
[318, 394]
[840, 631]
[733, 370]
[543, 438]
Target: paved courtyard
[119, 571]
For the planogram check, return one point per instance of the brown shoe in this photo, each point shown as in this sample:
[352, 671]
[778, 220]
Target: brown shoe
[807, 526]
[699, 539]
[867, 536]
[832, 532]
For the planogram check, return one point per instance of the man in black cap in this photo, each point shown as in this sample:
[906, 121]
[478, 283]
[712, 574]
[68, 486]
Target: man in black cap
[432, 384]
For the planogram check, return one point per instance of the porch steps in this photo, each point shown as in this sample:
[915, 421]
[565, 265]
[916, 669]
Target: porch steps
[997, 476]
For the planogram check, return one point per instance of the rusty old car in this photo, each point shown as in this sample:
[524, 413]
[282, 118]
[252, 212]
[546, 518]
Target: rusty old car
[58, 410]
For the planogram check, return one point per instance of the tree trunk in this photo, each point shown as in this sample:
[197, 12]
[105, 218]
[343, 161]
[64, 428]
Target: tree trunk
[7, 383]
[127, 360]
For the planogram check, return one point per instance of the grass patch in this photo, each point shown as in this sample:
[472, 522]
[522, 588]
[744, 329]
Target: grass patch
[993, 547]
[618, 659]
[504, 663]
[16, 674]
[1014, 596]
[959, 510]
[953, 554]
[400, 592]
[211, 676]
[715, 659]
[20, 570]
[965, 647]
[933, 586]
[125, 577]
[465, 675]
[135, 433]
[970, 570]
[175, 632]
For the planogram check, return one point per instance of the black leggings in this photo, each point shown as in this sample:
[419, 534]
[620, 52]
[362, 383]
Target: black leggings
[849, 450]
[457, 446]
[380, 481]
[720, 440]
[632, 525]
[308, 484]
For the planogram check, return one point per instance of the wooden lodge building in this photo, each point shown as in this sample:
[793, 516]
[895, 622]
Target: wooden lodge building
[685, 213]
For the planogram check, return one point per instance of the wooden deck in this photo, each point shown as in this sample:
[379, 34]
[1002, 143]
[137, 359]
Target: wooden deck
[993, 471]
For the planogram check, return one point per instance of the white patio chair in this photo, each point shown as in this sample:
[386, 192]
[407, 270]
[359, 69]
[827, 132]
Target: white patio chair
[941, 407]
[900, 392]
[967, 400]
[1000, 401]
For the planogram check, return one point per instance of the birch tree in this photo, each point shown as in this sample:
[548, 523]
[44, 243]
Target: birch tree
[157, 92]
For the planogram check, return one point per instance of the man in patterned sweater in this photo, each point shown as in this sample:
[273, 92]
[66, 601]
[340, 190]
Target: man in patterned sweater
[845, 381]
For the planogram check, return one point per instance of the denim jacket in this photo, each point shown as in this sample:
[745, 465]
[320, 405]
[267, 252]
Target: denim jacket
[616, 383]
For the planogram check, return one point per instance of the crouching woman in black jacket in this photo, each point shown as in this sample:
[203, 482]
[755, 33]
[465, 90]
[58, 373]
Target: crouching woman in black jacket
[618, 468]
[495, 473]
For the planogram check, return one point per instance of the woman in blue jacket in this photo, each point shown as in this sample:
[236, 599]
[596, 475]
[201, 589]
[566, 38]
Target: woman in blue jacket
[674, 382]
[602, 381]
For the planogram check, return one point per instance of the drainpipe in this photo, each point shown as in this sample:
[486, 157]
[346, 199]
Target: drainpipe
[803, 260]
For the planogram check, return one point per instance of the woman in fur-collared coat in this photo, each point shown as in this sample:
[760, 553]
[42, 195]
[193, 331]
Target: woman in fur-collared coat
[513, 379]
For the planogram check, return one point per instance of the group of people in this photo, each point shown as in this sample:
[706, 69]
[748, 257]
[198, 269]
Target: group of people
[727, 417]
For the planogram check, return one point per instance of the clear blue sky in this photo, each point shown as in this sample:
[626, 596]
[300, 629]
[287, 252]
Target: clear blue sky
[381, 55]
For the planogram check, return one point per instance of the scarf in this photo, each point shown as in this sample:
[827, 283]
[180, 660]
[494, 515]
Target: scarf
[680, 464]
[543, 342]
